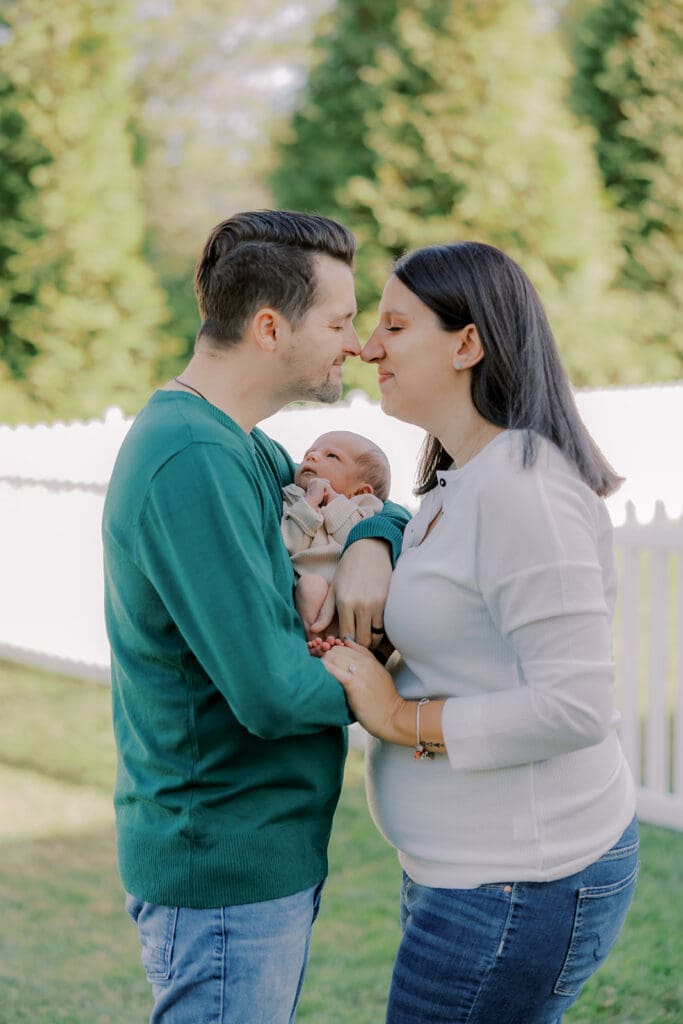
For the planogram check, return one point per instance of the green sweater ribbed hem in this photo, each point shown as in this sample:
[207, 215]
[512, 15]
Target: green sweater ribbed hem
[174, 871]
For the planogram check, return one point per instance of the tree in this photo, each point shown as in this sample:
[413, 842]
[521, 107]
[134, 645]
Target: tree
[82, 309]
[465, 134]
[325, 143]
[20, 155]
[628, 84]
[209, 75]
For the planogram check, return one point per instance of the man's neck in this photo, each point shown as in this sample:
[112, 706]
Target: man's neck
[231, 383]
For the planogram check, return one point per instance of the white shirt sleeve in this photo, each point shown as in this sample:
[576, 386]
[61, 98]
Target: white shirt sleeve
[543, 583]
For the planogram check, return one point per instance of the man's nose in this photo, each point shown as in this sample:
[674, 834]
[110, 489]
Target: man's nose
[352, 344]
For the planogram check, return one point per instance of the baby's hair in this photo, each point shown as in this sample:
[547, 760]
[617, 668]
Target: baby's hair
[374, 467]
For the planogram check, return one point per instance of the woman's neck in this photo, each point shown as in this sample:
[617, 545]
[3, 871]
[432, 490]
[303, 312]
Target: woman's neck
[473, 436]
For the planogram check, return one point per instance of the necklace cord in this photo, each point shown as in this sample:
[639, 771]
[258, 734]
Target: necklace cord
[183, 384]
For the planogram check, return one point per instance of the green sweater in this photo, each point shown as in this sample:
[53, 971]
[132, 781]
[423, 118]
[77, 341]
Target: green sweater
[229, 738]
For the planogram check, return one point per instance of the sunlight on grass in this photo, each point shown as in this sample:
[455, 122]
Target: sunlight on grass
[32, 806]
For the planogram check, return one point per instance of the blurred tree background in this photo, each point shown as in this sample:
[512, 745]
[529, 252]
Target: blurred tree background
[128, 128]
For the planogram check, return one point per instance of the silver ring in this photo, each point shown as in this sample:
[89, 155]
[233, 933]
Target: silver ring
[351, 668]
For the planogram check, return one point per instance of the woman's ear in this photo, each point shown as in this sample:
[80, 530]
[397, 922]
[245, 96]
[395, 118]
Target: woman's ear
[468, 350]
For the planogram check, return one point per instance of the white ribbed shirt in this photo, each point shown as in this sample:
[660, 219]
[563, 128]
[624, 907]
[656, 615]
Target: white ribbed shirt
[505, 609]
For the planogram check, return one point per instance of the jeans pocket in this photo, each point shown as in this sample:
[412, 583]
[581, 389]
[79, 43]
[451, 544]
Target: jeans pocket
[156, 929]
[598, 918]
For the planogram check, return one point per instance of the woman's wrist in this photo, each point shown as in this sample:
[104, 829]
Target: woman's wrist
[404, 725]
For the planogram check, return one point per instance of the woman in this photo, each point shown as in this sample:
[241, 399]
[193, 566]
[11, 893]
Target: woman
[514, 819]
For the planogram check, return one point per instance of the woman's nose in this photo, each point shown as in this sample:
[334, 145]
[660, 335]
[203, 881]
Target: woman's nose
[372, 349]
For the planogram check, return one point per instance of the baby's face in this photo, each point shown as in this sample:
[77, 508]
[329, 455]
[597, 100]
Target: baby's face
[334, 457]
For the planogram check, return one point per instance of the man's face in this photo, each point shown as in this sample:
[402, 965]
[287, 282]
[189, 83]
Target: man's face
[320, 343]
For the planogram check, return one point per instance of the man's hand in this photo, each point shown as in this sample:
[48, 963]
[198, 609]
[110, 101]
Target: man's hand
[361, 585]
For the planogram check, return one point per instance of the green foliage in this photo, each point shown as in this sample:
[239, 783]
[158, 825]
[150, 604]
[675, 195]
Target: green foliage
[19, 155]
[628, 84]
[455, 116]
[325, 143]
[205, 83]
[81, 308]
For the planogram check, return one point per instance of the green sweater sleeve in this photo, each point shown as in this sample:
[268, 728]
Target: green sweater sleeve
[388, 525]
[206, 542]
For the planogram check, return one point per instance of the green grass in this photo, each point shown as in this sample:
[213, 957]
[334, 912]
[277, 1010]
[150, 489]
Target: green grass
[69, 954]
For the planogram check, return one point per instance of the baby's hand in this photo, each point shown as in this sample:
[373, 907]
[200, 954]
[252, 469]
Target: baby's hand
[318, 647]
[319, 492]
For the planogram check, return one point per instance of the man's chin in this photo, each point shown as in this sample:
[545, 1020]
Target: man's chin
[330, 391]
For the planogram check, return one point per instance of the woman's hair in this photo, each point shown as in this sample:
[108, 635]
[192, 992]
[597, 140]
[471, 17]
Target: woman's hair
[520, 383]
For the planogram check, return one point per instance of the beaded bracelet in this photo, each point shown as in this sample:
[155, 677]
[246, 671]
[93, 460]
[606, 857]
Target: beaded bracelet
[421, 752]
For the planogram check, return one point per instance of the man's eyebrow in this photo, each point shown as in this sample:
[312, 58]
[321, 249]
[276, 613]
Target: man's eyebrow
[348, 315]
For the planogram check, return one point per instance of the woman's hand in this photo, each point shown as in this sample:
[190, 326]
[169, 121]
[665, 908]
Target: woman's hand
[371, 693]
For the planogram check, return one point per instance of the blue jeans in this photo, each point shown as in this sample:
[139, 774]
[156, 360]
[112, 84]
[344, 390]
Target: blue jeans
[227, 965]
[509, 953]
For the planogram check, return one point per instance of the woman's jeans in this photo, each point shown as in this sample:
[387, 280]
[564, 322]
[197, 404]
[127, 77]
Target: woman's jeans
[509, 953]
[228, 965]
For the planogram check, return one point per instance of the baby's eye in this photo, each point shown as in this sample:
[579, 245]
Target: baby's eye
[393, 329]
[332, 455]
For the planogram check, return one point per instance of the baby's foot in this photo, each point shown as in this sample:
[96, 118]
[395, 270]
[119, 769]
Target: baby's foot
[320, 646]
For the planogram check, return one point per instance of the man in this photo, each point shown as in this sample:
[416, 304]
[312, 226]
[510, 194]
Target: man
[229, 735]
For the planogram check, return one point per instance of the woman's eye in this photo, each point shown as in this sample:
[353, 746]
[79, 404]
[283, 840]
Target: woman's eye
[393, 329]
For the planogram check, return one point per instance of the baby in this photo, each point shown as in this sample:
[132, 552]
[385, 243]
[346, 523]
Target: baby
[342, 479]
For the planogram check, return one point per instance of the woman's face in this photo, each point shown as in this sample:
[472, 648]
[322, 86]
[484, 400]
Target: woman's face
[414, 356]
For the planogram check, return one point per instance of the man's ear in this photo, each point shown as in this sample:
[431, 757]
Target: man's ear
[468, 350]
[266, 326]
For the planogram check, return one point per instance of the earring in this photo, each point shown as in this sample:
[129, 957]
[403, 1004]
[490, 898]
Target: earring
[458, 364]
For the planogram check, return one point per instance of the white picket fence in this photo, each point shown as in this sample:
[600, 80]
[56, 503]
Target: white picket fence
[52, 484]
[649, 651]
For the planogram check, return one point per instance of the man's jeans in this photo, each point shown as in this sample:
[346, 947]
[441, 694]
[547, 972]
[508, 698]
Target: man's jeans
[509, 953]
[228, 965]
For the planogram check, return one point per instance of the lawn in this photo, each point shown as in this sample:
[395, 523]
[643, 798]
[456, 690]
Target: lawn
[69, 954]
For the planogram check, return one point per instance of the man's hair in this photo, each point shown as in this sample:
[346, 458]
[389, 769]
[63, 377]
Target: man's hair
[375, 470]
[263, 258]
